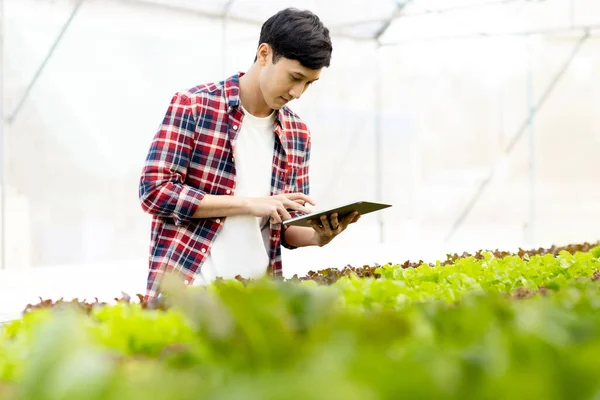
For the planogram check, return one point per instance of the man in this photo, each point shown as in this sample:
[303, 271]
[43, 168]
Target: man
[230, 163]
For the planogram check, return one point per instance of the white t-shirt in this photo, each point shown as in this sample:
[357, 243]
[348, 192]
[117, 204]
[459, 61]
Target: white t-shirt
[242, 245]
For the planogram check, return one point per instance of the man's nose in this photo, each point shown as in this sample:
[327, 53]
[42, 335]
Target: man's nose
[296, 91]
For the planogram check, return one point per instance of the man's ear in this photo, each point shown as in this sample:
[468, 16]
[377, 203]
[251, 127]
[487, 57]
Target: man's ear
[263, 53]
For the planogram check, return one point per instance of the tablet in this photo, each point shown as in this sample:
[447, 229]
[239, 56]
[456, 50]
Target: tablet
[363, 207]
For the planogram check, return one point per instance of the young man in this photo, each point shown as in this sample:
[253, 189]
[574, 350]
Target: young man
[230, 163]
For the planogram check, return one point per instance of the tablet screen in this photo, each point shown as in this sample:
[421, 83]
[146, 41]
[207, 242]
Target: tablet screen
[363, 207]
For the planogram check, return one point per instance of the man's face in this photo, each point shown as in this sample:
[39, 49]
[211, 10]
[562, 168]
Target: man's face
[283, 81]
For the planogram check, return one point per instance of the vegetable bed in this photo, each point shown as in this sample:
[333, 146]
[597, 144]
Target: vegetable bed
[491, 325]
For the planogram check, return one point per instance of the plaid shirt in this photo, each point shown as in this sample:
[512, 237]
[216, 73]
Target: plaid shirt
[192, 155]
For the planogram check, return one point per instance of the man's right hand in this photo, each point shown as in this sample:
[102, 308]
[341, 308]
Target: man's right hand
[276, 207]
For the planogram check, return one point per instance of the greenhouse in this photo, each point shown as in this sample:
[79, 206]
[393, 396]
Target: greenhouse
[476, 121]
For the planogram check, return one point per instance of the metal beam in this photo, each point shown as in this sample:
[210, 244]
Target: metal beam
[201, 13]
[227, 8]
[467, 210]
[15, 112]
[378, 117]
[522, 129]
[379, 139]
[386, 24]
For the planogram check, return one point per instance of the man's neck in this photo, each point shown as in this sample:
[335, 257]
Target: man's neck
[250, 94]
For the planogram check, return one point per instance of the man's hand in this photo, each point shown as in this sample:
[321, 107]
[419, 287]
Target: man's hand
[329, 228]
[276, 207]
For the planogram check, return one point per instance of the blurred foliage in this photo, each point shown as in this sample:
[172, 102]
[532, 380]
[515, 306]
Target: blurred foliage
[483, 327]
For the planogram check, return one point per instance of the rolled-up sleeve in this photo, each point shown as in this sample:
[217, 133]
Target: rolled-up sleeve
[162, 188]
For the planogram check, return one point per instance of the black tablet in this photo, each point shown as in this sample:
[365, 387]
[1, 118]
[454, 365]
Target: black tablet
[363, 207]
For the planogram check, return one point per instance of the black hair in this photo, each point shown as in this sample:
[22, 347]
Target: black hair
[298, 35]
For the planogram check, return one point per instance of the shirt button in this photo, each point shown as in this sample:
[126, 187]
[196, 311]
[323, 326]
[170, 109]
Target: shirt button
[218, 221]
[235, 127]
[203, 250]
[228, 191]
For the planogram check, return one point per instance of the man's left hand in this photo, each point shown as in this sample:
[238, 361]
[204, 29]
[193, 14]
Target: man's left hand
[331, 227]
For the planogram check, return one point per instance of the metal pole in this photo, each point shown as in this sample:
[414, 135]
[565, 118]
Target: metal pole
[378, 108]
[529, 232]
[378, 139]
[2, 159]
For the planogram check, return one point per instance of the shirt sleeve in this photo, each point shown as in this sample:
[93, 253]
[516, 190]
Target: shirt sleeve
[162, 188]
[302, 179]
[301, 184]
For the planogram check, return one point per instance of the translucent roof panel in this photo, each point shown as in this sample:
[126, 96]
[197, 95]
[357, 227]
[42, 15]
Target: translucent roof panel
[206, 6]
[586, 12]
[412, 19]
[438, 19]
[343, 17]
[367, 29]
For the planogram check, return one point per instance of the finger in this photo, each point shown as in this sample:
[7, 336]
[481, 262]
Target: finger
[303, 204]
[315, 226]
[353, 217]
[300, 196]
[292, 205]
[283, 213]
[335, 224]
[325, 222]
[275, 218]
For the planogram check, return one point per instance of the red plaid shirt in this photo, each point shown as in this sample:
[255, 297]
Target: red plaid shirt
[192, 155]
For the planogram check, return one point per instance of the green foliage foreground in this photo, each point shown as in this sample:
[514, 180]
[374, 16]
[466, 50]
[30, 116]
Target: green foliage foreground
[489, 328]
